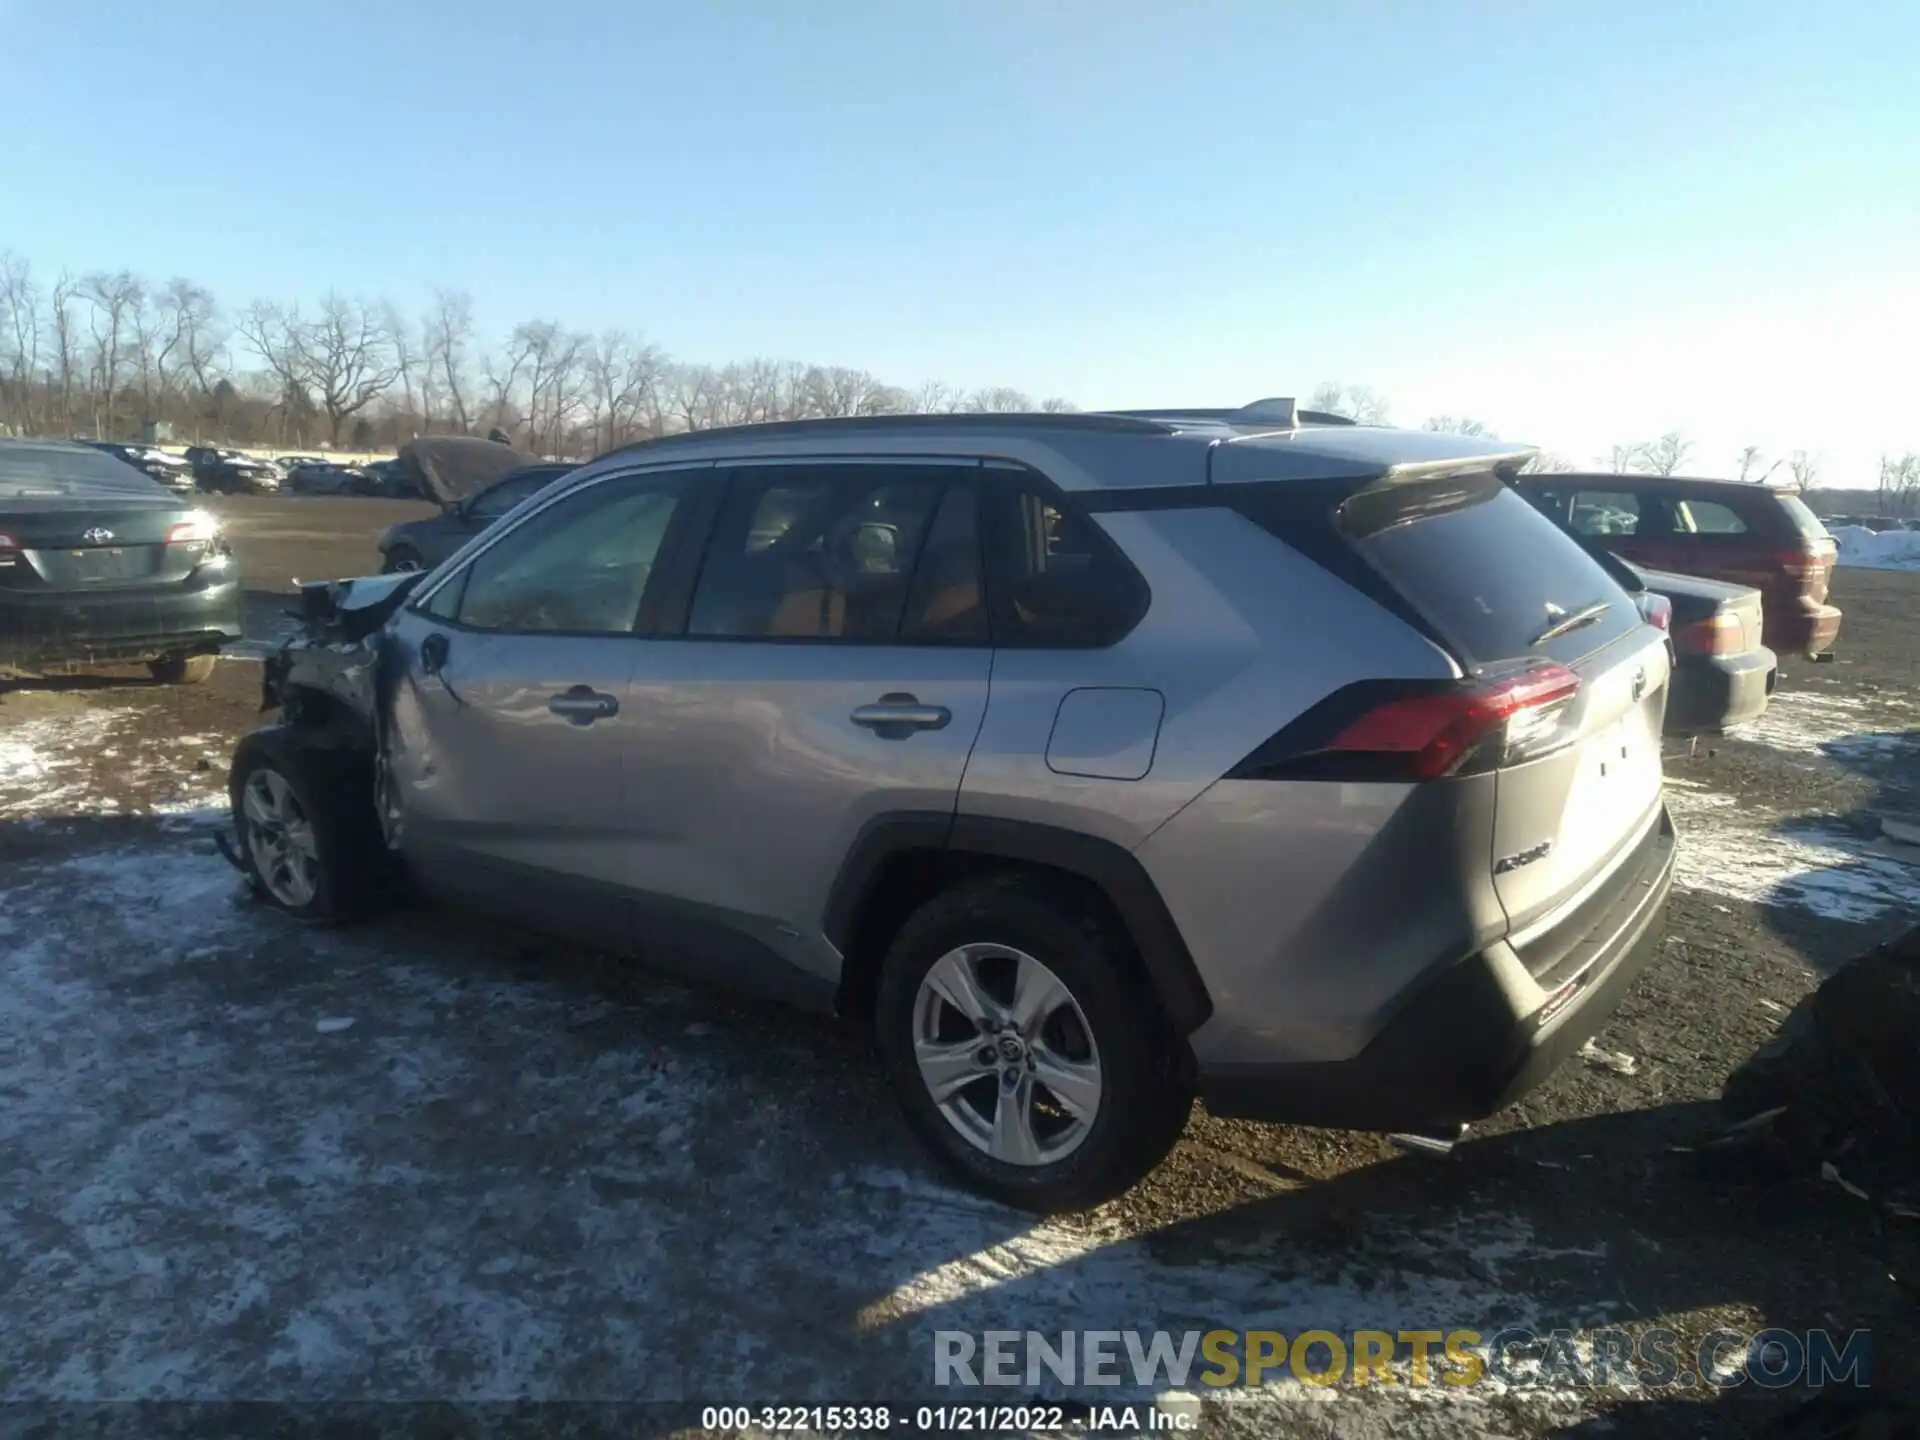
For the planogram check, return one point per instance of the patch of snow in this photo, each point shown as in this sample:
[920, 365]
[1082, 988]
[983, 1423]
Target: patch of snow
[1847, 728]
[1815, 866]
[1878, 550]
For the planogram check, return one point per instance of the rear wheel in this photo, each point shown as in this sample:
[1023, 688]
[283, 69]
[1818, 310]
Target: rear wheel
[305, 820]
[1024, 1051]
[182, 669]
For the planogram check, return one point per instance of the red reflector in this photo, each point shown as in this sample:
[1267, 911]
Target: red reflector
[1656, 610]
[1437, 732]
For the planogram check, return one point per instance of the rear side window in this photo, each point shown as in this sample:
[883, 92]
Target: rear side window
[1488, 571]
[1056, 579]
[1709, 517]
[1607, 512]
[819, 552]
[1803, 520]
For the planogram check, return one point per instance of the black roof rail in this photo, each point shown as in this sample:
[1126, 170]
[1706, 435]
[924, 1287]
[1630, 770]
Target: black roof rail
[1109, 421]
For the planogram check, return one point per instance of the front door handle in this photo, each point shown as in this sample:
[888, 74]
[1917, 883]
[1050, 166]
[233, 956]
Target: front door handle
[894, 717]
[582, 705]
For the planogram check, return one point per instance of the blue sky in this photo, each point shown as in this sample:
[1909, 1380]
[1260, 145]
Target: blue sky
[1581, 223]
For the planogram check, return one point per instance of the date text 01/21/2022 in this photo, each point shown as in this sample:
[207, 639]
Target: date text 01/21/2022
[938, 1419]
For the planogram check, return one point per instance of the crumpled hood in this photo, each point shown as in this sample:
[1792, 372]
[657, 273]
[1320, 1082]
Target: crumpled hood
[449, 468]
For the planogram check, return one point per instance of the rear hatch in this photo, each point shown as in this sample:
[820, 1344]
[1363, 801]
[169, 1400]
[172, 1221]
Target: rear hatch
[74, 520]
[1576, 676]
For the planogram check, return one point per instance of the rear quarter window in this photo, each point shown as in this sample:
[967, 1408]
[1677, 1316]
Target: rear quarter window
[1487, 570]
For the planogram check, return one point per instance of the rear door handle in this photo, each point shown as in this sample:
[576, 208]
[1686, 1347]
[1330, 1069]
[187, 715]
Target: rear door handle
[894, 717]
[582, 705]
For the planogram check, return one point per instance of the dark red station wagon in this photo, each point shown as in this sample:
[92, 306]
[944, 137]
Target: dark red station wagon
[1743, 532]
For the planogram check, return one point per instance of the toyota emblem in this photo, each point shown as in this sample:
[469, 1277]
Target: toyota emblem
[97, 536]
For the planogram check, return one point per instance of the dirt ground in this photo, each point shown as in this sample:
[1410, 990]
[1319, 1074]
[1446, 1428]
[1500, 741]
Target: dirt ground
[426, 1159]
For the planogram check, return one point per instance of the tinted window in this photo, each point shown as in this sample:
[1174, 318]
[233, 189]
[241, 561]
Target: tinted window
[580, 567]
[490, 505]
[1802, 518]
[1487, 570]
[947, 601]
[1606, 512]
[1057, 580]
[820, 552]
[27, 471]
[1709, 517]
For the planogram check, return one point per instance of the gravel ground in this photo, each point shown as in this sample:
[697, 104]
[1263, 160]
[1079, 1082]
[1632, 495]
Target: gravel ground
[426, 1159]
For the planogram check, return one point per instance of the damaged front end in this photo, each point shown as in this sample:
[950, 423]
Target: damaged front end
[326, 677]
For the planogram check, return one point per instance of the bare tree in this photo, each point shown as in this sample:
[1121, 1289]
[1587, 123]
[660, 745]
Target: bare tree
[1361, 404]
[1457, 425]
[66, 344]
[1899, 483]
[1000, 398]
[349, 360]
[936, 397]
[115, 299]
[1545, 462]
[449, 338]
[1804, 468]
[1625, 458]
[1057, 405]
[19, 341]
[623, 373]
[1666, 455]
[279, 338]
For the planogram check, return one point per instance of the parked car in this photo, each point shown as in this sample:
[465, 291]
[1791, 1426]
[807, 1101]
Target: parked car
[1723, 675]
[290, 463]
[230, 472]
[1075, 754]
[423, 544]
[323, 477]
[391, 479]
[99, 563]
[171, 471]
[1743, 532]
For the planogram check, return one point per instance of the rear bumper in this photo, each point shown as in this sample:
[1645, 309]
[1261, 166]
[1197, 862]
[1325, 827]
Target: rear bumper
[1711, 692]
[127, 624]
[1474, 1039]
[1804, 630]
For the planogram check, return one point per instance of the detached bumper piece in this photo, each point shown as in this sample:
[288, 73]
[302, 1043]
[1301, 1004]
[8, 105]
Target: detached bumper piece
[1714, 692]
[1484, 1032]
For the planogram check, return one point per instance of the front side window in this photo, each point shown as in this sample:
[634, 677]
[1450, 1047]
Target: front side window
[579, 567]
[818, 552]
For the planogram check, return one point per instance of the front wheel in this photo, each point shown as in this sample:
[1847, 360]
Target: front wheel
[305, 820]
[1025, 1052]
[401, 560]
[182, 669]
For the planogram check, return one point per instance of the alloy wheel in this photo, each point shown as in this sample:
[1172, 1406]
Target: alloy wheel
[1006, 1054]
[280, 839]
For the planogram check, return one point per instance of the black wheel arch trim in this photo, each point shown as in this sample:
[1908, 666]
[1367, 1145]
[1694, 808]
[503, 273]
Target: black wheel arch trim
[1110, 868]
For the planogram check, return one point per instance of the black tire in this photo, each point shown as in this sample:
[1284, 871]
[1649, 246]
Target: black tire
[400, 559]
[334, 791]
[1146, 1070]
[182, 669]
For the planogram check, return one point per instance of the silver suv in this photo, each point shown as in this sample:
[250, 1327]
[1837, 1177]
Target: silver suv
[1091, 759]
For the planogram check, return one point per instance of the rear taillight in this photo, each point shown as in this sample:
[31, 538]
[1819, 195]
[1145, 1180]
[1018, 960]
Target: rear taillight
[9, 549]
[1716, 635]
[197, 529]
[1656, 610]
[1387, 731]
[1810, 562]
